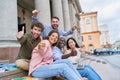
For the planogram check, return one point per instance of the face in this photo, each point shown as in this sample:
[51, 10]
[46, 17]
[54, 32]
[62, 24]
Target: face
[53, 38]
[62, 42]
[36, 32]
[71, 44]
[55, 23]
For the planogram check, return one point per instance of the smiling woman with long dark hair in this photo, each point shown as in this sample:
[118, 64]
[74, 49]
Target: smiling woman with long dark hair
[75, 56]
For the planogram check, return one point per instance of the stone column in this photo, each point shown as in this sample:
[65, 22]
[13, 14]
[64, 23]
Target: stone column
[8, 30]
[8, 22]
[71, 12]
[57, 11]
[44, 7]
[66, 15]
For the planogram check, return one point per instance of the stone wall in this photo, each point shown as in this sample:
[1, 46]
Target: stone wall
[8, 54]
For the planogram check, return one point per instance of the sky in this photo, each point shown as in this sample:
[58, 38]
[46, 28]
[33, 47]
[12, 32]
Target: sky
[108, 13]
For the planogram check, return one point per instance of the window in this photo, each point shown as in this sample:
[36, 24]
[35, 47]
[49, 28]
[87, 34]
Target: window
[87, 20]
[89, 37]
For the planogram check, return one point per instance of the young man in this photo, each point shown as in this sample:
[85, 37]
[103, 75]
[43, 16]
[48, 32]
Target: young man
[87, 71]
[28, 42]
[54, 25]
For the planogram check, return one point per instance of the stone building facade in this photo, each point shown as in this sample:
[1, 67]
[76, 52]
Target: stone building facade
[105, 35]
[16, 12]
[90, 31]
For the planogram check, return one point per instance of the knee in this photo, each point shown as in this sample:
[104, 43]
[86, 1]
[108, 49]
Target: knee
[63, 67]
[88, 69]
[22, 64]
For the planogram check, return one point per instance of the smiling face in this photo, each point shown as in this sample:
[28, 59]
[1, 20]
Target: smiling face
[71, 44]
[36, 31]
[53, 38]
[61, 42]
[55, 23]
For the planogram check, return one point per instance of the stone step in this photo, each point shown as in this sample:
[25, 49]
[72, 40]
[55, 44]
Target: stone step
[8, 75]
[18, 73]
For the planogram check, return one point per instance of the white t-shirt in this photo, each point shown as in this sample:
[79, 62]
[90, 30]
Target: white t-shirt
[75, 59]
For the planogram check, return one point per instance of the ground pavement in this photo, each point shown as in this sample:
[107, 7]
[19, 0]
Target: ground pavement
[102, 67]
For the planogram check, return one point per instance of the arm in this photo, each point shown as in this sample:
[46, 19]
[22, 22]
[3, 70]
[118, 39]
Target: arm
[64, 56]
[57, 54]
[34, 19]
[72, 53]
[34, 15]
[66, 33]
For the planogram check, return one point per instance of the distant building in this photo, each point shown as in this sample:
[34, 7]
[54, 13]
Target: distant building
[90, 31]
[19, 12]
[116, 45]
[105, 36]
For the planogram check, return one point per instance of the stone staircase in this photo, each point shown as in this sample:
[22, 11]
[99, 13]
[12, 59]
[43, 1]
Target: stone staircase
[18, 73]
[8, 55]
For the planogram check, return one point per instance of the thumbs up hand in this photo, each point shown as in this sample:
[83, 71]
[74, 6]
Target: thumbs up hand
[21, 33]
[41, 45]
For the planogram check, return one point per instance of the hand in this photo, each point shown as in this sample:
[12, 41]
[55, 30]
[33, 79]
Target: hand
[74, 27]
[35, 12]
[81, 50]
[73, 53]
[64, 50]
[20, 34]
[41, 45]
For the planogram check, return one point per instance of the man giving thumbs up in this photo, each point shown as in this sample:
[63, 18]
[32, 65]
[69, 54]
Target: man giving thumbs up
[28, 41]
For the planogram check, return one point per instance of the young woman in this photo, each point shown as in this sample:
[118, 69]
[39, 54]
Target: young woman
[42, 65]
[74, 56]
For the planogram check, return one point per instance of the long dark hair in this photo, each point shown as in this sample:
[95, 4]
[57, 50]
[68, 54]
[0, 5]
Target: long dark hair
[50, 33]
[76, 44]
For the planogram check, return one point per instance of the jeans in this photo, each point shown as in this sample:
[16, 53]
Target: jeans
[60, 67]
[89, 73]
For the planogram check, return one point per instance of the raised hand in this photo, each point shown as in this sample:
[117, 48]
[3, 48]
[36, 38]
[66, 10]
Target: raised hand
[21, 33]
[35, 12]
[41, 44]
[74, 27]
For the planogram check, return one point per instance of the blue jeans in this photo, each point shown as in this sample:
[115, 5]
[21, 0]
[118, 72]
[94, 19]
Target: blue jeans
[60, 67]
[89, 72]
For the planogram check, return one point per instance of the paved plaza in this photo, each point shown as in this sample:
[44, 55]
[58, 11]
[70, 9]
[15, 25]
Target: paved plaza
[106, 70]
